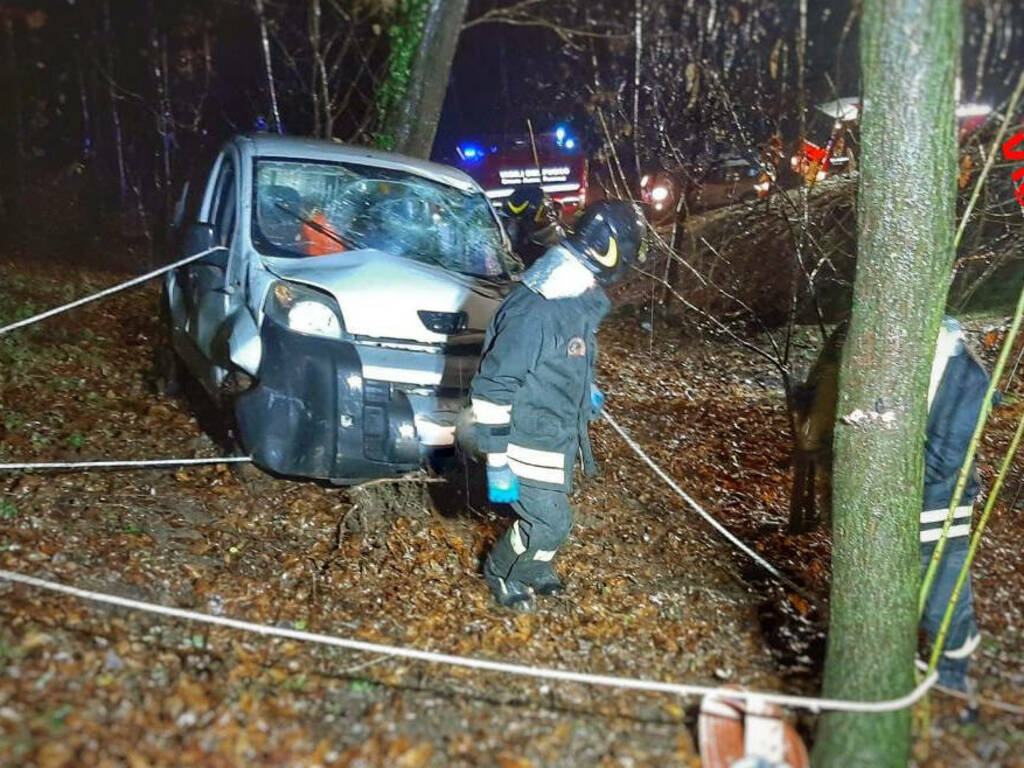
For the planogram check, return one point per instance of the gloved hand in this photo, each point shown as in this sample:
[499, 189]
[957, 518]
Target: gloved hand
[502, 485]
[596, 402]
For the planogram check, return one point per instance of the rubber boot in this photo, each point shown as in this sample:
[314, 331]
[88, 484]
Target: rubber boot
[508, 591]
[971, 710]
[509, 594]
[544, 581]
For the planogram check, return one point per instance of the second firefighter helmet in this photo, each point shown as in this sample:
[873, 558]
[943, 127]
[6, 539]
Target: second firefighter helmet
[529, 203]
[609, 238]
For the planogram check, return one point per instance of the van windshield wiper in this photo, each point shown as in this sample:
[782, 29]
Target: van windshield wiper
[323, 229]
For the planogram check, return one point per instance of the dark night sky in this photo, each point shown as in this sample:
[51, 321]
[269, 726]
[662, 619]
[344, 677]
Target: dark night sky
[497, 69]
[63, 83]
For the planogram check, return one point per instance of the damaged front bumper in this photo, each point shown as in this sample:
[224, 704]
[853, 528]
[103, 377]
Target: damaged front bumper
[312, 414]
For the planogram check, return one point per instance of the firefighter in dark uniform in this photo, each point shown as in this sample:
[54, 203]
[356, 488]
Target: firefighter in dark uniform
[531, 221]
[534, 393]
[956, 395]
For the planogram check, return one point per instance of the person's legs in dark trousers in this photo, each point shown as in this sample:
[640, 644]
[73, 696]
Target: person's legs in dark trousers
[522, 558]
[963, 636]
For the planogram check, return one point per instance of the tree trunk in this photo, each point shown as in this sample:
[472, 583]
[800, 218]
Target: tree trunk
[268, 66]
[906, 211]
[83, 101]
[315, 15]
[638, 52]
[18, 155]
[115, 114]
[423, 47]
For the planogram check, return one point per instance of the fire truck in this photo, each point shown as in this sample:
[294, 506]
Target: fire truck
[554, 159]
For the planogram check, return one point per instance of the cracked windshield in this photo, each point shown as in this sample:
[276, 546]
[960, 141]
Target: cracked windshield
[308, 209]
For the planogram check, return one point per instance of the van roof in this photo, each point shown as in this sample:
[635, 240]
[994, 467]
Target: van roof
[305, 148]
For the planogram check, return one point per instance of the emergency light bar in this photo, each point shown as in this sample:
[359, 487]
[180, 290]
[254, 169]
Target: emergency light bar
[563, 139]
[471, 153]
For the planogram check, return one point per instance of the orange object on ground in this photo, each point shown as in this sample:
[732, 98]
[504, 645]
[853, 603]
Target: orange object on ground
[730, 730]
[315, 240]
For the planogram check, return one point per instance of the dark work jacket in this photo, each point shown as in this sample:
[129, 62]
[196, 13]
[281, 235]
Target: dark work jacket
[530, 241]
[537, 367]
[951, 422]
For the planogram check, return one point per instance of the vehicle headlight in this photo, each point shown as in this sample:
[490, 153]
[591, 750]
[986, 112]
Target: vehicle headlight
[659, 194]
[819, 176]
[304, 310]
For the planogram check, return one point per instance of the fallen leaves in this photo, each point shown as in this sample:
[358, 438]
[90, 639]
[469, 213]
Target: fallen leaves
[414, 757]
[799, 603]
[506, 760]
[54, 754]
[653, 594]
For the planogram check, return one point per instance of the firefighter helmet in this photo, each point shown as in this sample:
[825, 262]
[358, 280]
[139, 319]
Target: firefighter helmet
[608, 238]
[527, 203]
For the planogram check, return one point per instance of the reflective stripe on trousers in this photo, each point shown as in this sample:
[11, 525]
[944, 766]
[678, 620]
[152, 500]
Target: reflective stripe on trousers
[932, 521]
[530, 544]
[963, 636]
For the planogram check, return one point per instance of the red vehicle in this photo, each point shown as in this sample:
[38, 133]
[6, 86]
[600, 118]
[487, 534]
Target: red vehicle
[815, 162]
[499, 164]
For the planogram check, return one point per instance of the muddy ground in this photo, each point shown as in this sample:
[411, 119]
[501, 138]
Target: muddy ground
[654, 592]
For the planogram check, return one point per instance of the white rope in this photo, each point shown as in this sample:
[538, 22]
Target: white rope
[545, 673]
[108, 291]
[981, 701]
[697, 507]
[679, 689]
[114, 464]
[972, 698]
[119, 464]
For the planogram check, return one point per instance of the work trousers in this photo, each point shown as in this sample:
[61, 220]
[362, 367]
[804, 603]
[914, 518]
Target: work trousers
[525, 552]
[963, 635]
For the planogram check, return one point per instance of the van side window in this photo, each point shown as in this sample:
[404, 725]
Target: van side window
[223, 214]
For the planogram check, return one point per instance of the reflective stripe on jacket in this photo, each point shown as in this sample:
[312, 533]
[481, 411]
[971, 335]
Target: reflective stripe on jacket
[531, 395]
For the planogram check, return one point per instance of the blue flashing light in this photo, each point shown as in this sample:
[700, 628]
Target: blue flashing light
[560, 133]
[471, 153]
[570, 143]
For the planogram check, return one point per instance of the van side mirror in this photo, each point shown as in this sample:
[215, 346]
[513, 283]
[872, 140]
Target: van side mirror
[198, 237]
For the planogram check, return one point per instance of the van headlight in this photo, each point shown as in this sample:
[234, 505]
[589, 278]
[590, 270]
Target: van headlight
[304, 310]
